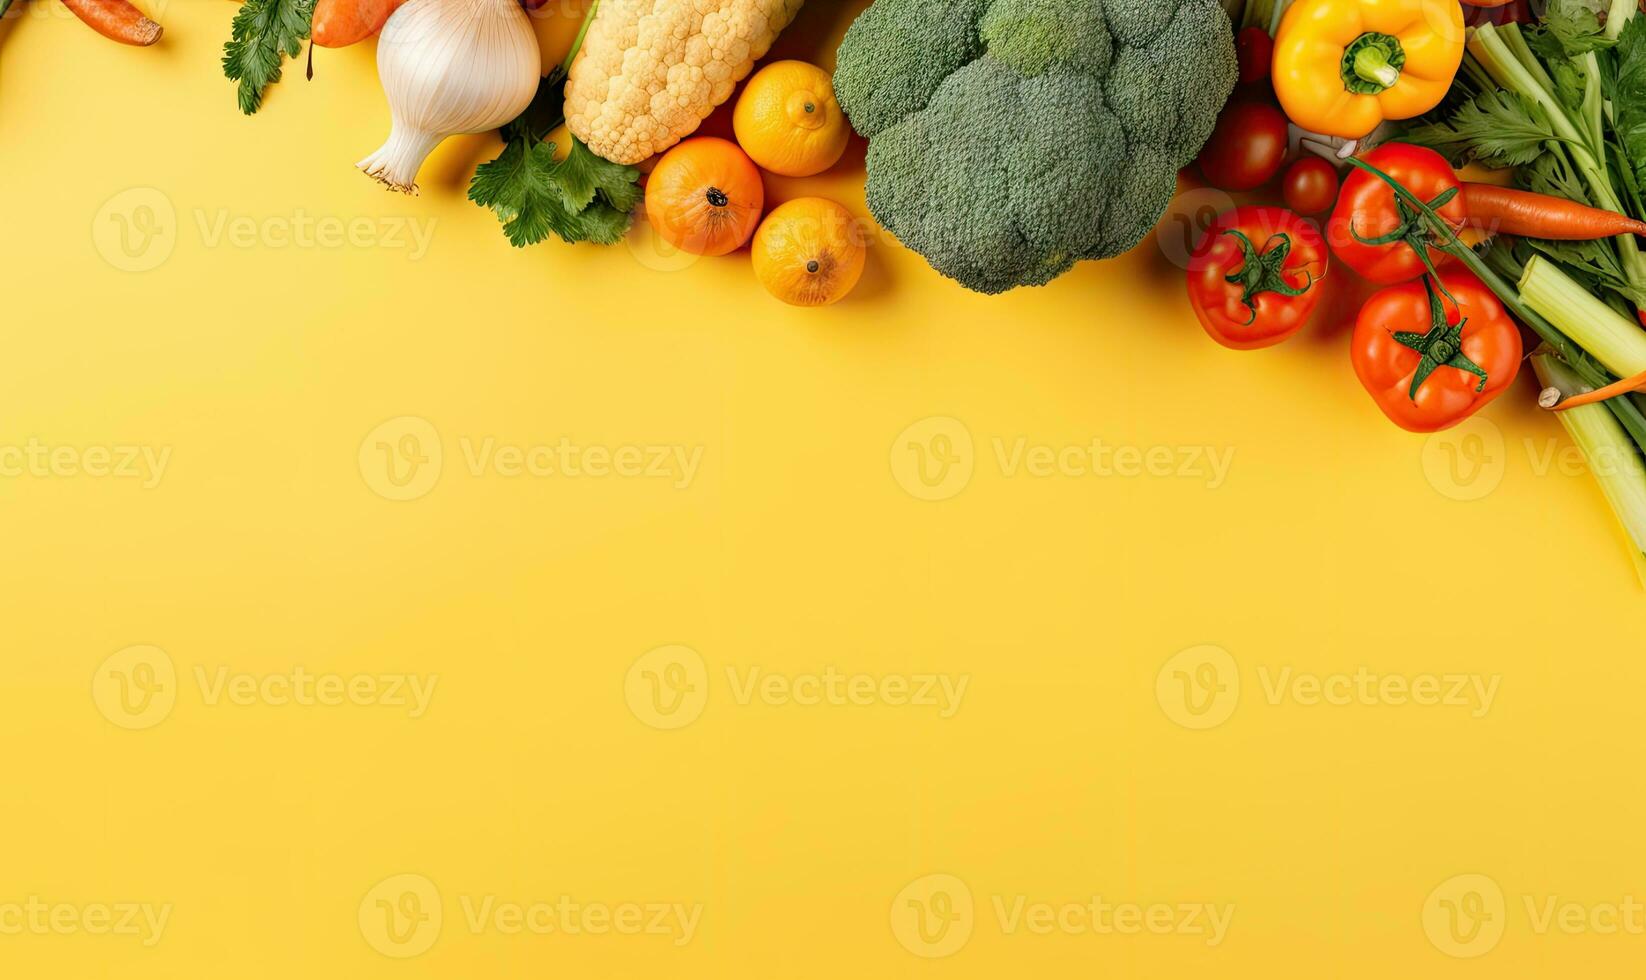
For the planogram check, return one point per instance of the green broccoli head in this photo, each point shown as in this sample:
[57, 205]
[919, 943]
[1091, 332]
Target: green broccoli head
[1009, 139]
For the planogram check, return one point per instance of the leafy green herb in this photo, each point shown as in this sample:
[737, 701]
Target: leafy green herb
[263, 32]
[1570, 27]
[1629, 95]
[582, 198]
[1496, 128]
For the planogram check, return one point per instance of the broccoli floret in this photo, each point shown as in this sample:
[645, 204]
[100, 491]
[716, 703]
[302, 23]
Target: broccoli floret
[1009, 139]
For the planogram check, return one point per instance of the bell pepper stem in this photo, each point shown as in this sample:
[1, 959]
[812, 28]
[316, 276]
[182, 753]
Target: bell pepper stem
[1372, 64]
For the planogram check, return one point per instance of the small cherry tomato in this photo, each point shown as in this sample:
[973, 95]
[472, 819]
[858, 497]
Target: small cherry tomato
[1254, 50]
[1310, 185]
[1255, 276]
[1246, 147]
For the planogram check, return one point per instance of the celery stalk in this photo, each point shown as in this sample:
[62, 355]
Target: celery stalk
[1507, 58]
[1611, 456]
[1618, 15]
[1613, 339]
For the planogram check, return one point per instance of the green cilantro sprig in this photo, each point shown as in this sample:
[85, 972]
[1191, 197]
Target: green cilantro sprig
[582, 198]
[264, 32]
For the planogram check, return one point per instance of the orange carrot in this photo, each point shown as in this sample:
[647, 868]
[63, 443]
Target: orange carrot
[116, 20]
[340, 23]
[1512, 212]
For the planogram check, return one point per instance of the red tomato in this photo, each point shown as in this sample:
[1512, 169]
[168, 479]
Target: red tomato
[1430, 362]
[1310, 185]
[1254, 49]
[1254, 278]
[1246, 146]
[1368, 210]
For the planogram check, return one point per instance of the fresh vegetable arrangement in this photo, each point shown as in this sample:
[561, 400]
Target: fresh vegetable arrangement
[1398, 93]
[1008, 140]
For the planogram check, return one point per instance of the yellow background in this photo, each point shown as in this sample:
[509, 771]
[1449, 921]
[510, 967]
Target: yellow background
[1337, 542]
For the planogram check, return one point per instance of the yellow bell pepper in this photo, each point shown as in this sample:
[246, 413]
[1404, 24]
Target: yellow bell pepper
[1341, 67]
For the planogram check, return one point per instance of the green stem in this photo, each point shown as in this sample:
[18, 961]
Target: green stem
[5, 5]
[1618, 15]
[577, 42]
[1372, 63]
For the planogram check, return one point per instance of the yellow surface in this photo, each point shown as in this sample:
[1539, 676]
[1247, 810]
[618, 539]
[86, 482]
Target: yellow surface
[560, 756]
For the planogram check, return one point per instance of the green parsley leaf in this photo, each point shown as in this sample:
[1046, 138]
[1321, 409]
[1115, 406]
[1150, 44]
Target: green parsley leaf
[583, 198]
[1570, 27]
[263, 32]
[1629, 94]
[1496, 128]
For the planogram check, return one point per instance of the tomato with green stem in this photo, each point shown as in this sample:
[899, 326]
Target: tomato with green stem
[1435, 352]
[1254, 277]
[1377, 233]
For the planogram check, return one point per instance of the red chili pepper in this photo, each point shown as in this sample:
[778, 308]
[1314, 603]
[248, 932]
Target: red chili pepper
[1253, 277]
[1432, 354]
[1378, 235]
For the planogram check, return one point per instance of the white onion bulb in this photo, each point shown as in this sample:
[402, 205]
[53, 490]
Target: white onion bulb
[449, 67]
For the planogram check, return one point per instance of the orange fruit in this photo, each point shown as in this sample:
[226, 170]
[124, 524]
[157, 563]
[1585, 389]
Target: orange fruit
[705, 196]
[788, 120]
[808, 252]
